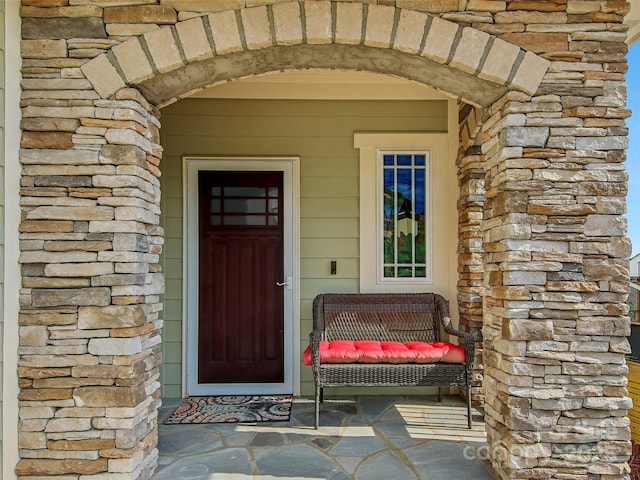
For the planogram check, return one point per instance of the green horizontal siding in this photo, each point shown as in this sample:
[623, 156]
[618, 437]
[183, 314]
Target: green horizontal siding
[320, 132]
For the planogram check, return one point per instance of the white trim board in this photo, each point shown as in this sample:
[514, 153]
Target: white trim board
[12, 273]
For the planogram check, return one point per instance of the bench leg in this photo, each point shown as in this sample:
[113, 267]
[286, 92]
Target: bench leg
[317, 402]
[440, 394]
[469, 405]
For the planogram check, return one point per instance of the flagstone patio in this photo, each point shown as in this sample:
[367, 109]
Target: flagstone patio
[362, 438]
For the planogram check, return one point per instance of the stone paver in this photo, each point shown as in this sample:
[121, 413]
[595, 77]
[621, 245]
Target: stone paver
[367, 437]
[435, 460]
[384, 465]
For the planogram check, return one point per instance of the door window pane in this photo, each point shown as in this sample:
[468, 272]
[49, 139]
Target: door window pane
[244, 205]
[273, 205]
[245, 220]
[244, 191]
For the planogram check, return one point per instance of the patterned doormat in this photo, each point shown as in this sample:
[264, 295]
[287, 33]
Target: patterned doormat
[233, 409]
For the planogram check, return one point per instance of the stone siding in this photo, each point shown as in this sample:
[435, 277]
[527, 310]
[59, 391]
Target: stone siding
[546, 228]
[556, 268]
[470, 165]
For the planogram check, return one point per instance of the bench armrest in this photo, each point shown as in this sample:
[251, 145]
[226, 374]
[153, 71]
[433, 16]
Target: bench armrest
[467, 339]
[314, 341]
[474, 335]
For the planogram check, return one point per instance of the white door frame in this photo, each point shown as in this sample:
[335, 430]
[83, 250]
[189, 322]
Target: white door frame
[290, 168]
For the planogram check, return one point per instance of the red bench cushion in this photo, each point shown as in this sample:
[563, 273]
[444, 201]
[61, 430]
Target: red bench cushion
[374, 351]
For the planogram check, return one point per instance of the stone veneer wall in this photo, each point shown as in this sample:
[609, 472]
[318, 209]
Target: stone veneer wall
[470, 163]
[90, 246]
[555, 268]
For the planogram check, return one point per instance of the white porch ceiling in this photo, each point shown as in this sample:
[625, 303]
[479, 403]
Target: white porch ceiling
[322, 85]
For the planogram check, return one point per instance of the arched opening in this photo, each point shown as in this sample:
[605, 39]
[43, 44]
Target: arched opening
[312, 116]
[472, 65]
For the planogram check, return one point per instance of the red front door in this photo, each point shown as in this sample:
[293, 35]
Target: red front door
[240, 307]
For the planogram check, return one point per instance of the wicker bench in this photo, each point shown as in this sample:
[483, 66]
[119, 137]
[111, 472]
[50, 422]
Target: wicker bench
[386, 317]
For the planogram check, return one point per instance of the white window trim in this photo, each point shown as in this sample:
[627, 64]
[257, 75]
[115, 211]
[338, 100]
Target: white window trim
[379, 228]
[370, 145]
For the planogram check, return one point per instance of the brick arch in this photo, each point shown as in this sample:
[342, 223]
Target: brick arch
[168, 63]
[173, 61]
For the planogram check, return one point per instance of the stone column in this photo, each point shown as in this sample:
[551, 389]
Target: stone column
[470, 236]
[556, 279]
[89, 322]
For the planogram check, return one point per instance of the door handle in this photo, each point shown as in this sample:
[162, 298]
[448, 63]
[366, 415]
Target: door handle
[286, 284]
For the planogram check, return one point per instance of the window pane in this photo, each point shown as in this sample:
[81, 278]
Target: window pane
[273, 205]
[419, 188]
[273, 220]
[419, 217]
[405, 272]
[215, 219]
[389, 246]
[244, 220]
[421, 272]
[420, 159]
[245, 206]
[245, 191]
[389, 215]
[273, 192]
[215, 191]
[405, 183]
[389, 179]
[389, 272]
[405, 243]
[404, 159]
[388, 159]
[215, 205]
